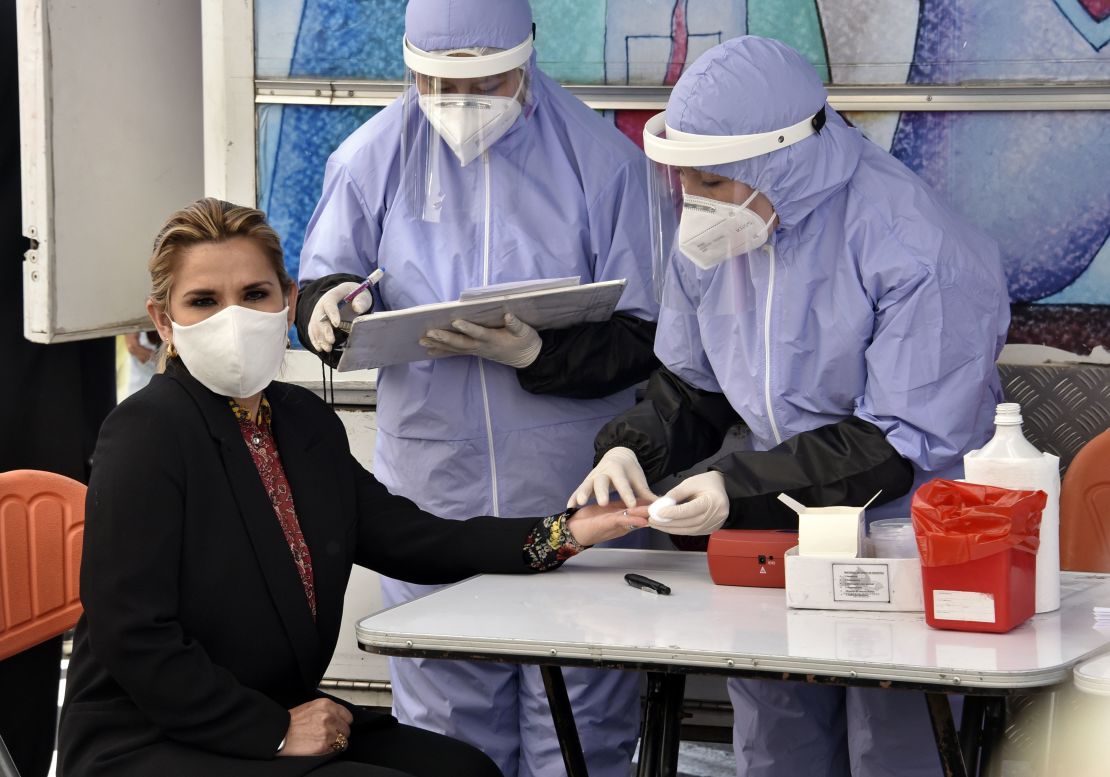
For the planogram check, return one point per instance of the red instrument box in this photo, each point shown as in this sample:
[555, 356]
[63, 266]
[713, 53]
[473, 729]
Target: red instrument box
[750, 557]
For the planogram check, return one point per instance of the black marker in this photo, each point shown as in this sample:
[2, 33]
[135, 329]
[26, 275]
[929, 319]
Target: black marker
[646, 583]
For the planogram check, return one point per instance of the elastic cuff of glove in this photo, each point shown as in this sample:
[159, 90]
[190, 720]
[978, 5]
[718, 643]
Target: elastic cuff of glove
[528, 356]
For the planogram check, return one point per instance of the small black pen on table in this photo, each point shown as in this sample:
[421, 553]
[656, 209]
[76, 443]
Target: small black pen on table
[646, 584]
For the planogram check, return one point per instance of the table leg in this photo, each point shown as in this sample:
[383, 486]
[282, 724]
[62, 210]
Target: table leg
[971, 731]
[662, 723]
[673, 693]
[563, 717]
[994, 728]
[944, 731]
[651, 729]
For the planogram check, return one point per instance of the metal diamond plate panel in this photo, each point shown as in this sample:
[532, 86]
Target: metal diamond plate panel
[1063, 406]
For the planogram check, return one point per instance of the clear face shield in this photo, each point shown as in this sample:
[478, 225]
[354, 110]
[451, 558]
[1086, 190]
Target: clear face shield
[457, 105]
[697, 216]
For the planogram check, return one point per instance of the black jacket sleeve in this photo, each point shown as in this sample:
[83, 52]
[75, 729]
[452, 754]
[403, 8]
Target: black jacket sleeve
[398, 539]
[307, 297]
[592, 360]
[673, 428]
[840, 464]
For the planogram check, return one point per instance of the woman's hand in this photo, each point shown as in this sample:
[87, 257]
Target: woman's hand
[596, 523]
[314, 728]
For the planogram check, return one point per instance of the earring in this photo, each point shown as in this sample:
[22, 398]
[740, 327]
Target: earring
[170, 350]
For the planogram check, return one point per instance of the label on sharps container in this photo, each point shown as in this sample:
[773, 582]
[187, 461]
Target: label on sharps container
[861, 583]
[963, 606]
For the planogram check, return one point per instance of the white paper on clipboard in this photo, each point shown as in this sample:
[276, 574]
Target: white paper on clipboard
[392, 337]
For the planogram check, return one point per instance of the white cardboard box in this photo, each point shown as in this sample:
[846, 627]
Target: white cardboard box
[820, 583]
[829, 531]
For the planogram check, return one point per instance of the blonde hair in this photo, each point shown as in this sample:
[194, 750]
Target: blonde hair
[208, 220]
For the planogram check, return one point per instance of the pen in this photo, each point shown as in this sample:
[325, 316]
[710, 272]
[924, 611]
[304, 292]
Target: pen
[371, 279]
[646, 584]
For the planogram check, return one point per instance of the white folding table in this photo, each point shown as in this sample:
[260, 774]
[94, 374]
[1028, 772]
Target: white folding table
[585, 614]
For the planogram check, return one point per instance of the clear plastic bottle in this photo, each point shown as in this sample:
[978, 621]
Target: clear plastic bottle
[1008, 441]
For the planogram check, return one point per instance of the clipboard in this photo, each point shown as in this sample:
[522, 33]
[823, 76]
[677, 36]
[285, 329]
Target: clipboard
[392, 336]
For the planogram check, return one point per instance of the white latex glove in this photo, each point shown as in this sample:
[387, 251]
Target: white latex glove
[326, 316]
[702, 506]
[617, 471]
[516, 344]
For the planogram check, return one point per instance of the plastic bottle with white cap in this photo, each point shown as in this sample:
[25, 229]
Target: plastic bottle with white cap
[1011, 461]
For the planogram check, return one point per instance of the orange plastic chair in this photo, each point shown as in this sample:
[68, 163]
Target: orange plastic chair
[42, 523]
[1085, 509]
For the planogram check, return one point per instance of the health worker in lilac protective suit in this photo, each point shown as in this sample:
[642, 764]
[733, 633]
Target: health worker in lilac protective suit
[821, 294]
[486, 172]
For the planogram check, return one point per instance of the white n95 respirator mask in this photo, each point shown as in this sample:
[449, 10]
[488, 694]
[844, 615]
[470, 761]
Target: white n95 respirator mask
[712, 231]
[235, 353]
[470, 124]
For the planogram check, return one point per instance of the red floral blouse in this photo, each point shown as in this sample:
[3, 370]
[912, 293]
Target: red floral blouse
[259, 438]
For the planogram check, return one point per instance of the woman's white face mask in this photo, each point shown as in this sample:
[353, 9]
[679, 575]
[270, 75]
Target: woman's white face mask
[469, 124]
[712, 231]
[236, 352]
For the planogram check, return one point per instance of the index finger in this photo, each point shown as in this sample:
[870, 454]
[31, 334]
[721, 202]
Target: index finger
[625, 492]
[468, 328]
[331, 312]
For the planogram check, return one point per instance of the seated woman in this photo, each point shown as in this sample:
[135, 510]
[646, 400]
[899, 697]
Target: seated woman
[224, 513]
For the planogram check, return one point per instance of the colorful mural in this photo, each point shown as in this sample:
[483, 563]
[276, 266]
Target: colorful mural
[1033, 180]
[301, 137]
[649, 41]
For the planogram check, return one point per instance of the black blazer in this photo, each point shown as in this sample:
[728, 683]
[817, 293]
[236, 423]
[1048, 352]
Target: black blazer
[197, 637]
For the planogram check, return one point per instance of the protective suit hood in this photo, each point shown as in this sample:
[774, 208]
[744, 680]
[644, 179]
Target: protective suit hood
[750, 85]
[442, 25]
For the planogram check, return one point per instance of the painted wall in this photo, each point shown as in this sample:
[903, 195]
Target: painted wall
[1035, 181]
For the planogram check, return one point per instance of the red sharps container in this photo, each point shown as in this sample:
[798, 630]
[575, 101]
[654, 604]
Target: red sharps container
[978, 549]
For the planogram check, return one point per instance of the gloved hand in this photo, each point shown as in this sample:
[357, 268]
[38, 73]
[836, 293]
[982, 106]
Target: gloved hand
[326, 315]
[516, 344]
[702, 506]
[617, 471]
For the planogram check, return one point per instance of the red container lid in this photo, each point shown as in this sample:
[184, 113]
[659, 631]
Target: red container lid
[750, 543]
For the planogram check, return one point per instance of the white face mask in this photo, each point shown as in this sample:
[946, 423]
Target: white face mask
[235, 353]
[712, 231]
[470, 124]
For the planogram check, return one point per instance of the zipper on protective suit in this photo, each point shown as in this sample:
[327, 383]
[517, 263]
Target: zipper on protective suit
[767, 344]
[482, 362]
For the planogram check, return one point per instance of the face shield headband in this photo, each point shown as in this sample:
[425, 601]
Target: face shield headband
[444, 65]
[669, 146]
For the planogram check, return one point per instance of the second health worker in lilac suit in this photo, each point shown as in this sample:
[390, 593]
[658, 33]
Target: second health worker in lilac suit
[821, 294]
[486, 171]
